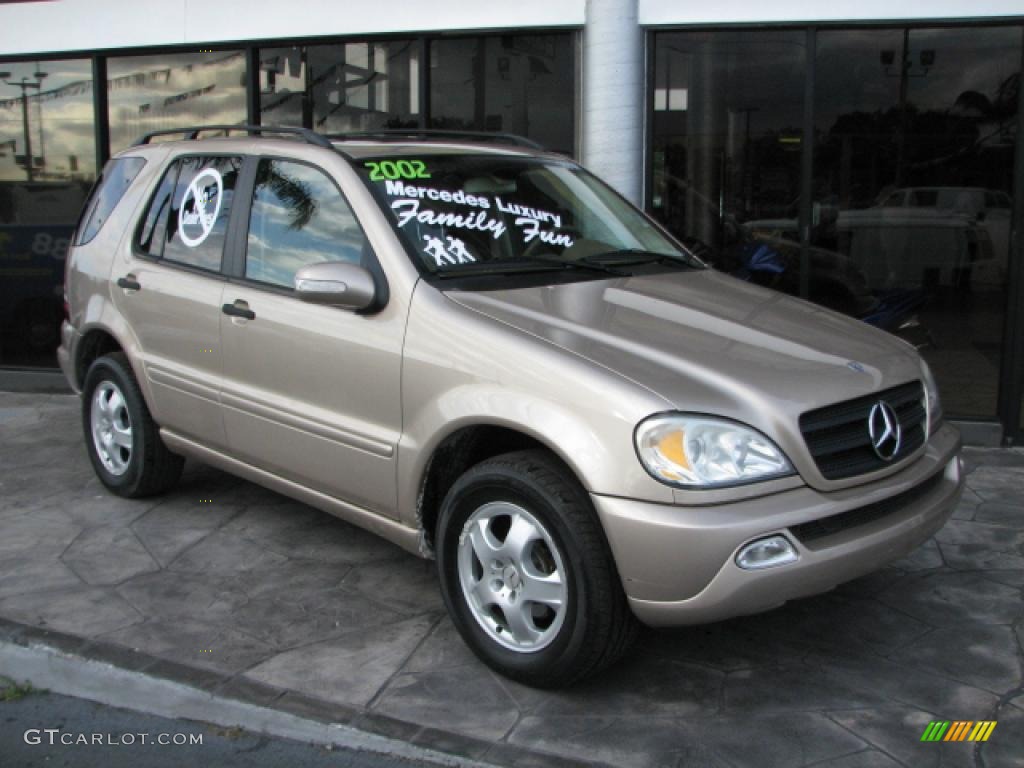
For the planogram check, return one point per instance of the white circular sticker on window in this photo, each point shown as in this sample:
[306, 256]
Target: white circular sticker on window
[200, 206]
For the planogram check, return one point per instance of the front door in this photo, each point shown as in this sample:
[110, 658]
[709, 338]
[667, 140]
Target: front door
[310, 393]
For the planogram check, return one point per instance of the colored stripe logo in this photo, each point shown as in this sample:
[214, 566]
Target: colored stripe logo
[958, 730]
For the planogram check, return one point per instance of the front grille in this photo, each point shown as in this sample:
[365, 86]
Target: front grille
[837, 435]
[827, 526]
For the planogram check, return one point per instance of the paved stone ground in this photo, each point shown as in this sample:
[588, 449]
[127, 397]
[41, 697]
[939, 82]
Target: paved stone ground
[261, 595]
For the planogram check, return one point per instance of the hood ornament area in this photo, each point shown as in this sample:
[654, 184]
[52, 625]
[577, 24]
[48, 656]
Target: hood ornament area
[884, 430]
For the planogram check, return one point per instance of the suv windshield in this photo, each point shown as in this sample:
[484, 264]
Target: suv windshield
[497, 214]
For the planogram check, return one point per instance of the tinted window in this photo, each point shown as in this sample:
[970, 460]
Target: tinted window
[188, 216]
[110, 188]
[154, 227]
[298, 217]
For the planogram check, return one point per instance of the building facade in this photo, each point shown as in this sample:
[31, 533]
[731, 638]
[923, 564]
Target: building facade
[867, 158]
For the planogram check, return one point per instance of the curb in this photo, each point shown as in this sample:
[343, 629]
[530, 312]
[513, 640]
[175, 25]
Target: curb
[117, 676]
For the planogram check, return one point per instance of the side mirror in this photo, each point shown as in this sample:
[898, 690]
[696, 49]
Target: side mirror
[337, 284]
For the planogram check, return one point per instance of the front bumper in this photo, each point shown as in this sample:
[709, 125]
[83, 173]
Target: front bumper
[678, 566]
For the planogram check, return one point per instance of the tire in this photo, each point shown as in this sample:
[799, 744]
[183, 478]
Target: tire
[121, 437]
[581, 622]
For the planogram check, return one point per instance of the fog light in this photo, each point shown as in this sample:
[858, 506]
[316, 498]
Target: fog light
[766, 553]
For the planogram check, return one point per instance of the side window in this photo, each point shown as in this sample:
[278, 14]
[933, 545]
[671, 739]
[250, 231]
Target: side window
[188, 216]
[298, 217]
[106, 194]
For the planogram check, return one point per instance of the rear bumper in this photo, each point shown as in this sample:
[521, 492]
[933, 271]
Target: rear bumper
[65, 354]
[678, 564]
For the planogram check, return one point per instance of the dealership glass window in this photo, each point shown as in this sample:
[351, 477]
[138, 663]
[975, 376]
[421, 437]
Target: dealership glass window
[47, 165]
[522, 84]
[912, 185]
[728, 107]
[912, 192]
[173, 90]
[298, 217]
[355, 86]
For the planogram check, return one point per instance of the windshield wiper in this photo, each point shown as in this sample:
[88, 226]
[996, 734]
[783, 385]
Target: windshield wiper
[635, 256]
[519, 266]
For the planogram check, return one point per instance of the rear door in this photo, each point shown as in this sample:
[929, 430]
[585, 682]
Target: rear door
[169, 289]
[310, 393]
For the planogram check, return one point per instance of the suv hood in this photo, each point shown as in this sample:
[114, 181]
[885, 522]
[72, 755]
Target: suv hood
[709, 343]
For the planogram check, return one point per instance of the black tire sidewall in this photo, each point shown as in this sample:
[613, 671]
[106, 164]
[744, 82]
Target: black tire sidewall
[110, 369]
[469, 494]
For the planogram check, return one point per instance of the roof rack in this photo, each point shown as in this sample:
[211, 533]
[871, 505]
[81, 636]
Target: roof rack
[398, 134]
[192, 132]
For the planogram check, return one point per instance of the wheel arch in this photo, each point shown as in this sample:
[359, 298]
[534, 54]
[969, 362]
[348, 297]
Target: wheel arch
[463, 447]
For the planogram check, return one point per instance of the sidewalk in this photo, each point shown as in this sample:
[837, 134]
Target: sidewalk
[233, 589]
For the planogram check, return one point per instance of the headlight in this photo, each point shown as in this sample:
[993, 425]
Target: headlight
[931, 397]
[704, 452]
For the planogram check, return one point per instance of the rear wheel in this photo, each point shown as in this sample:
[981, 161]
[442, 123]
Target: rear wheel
[121, 437]
[526, 572]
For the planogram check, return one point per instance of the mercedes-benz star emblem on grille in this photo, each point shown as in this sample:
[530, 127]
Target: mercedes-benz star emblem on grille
[884, 429]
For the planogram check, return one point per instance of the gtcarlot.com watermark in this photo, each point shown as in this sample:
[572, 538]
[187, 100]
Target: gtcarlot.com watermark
[55, 736]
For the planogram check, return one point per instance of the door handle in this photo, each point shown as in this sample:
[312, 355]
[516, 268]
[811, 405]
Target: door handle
[129, 283]
[239, 309]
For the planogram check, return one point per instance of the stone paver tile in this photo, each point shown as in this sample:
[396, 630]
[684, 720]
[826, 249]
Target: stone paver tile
[350, 669]
[220, 648]
[873, 583]
[998, 484]
[727, 645]
[1005, 747]
[295, 579]
[897, 731]
[1011, 578]
[188, 512]
[954, 599]
[285, 620]
[43, 538]
[1010, 515]
[622, 742]
[21, 575]
[169, 596]
[108, 555]
[795, 687]
[1000, 538]
[832, 622]
[466, 700]
[267, 521]
[335, 541]
[100, 507]
[916, 687]
[869, 758]
[165, 541]
[925, 557]
[763, 740]
[83, 611]
[223, 553]
[983, 656]
[636, 687]
[443, 649]
[408, 584]
[980, 557]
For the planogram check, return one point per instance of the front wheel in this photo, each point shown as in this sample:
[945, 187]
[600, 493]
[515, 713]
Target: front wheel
[121, 437]
[527, 574]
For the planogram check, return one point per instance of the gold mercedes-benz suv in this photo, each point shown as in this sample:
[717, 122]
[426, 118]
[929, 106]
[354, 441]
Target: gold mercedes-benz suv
[479, 351]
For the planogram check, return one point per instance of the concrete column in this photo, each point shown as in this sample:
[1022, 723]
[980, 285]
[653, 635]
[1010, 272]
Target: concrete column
[613, 95]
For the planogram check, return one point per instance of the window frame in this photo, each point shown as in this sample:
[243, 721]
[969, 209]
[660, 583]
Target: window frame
[234, 269]
[225, 255]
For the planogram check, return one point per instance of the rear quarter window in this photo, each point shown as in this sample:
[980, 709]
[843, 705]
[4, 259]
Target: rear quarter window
[110, 187]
